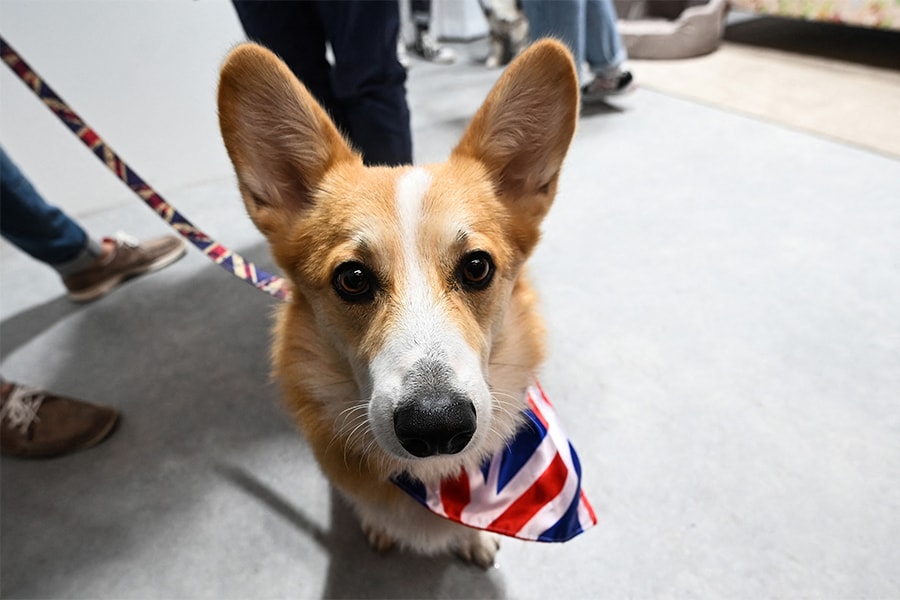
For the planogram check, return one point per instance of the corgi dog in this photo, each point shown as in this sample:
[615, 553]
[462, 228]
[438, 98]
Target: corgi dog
[412, 332]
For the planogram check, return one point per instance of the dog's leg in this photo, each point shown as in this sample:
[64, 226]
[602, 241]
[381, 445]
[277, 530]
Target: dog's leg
[401, 522]
[378, 538]
[479, 548]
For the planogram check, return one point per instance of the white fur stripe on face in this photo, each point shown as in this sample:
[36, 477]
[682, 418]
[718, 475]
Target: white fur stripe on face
[423, 328]
[411, 189]
[418, 301]
[424, 335]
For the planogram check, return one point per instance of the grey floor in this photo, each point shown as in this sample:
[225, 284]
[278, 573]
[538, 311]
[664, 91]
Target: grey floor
[723, 300]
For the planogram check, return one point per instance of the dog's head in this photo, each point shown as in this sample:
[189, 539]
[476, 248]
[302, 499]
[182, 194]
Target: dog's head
[408, 275]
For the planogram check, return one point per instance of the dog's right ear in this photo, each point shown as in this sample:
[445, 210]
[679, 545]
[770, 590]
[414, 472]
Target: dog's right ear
[522, 132]
[280, 141]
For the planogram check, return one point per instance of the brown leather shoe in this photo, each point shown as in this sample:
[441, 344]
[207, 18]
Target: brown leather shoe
[37, 424]
[129, 259]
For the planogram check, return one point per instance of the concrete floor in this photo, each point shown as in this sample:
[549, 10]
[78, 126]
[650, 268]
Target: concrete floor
[723, 300]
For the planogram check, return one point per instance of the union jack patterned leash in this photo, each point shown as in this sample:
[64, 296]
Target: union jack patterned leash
[222, 256]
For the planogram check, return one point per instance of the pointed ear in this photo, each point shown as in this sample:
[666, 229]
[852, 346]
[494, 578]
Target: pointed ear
[280, 141]
[522, 131]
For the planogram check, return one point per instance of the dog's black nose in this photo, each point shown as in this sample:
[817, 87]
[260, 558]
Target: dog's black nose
[435, 425]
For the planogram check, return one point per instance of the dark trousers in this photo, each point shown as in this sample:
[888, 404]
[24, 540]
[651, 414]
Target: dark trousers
[365, 90]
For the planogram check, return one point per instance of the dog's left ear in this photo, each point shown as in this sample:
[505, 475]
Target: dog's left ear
[522, 132]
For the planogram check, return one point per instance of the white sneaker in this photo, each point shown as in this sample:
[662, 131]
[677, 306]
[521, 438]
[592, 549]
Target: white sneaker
[602, 87]
[428, 48]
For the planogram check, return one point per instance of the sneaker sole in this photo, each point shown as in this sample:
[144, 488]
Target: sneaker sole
[108, 285]
[600, 98]
[101, 435]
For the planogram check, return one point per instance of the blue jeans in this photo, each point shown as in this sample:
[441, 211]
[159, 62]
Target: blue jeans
[38, 229]
[588, 28]
[364, 91]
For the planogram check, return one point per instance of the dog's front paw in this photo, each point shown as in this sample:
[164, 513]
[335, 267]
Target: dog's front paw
[479, 549]
[378, 538]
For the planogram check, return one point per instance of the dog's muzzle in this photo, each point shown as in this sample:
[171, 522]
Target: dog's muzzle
[435, 423]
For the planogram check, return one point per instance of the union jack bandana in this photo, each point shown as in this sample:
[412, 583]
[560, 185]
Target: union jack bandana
[530, 490]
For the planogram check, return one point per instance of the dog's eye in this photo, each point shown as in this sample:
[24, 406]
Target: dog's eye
[353, 282]
[475, 270]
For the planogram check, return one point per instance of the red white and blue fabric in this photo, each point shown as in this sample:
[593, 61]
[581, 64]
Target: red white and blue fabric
[530, 490]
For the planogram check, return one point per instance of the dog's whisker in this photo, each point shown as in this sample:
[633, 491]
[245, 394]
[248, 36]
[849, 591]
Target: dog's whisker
[358, 431]
[353, 408]
[503, 396]
[339, 436]
[348, 414]
[369, 455]
[349, 417]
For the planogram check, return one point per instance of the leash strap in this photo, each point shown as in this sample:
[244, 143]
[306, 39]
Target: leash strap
[219, 254]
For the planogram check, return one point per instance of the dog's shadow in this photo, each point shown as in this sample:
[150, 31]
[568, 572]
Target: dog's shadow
[355, 570]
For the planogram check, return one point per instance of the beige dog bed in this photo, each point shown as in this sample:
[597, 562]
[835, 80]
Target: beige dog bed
[671, 28]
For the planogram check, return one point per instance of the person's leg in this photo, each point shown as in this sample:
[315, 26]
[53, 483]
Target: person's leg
[293, 31]
[426, 45]
[421, 14]
[604, 50]
[39, 229]
[368, 80]
[561, 19]
[605, 53]
[88, 269]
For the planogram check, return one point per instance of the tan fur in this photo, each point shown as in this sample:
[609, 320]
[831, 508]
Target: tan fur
[319, 207]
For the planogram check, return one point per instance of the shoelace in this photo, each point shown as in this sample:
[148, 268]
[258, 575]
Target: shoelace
[126, 239]
[119, 239]
[21, 407]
